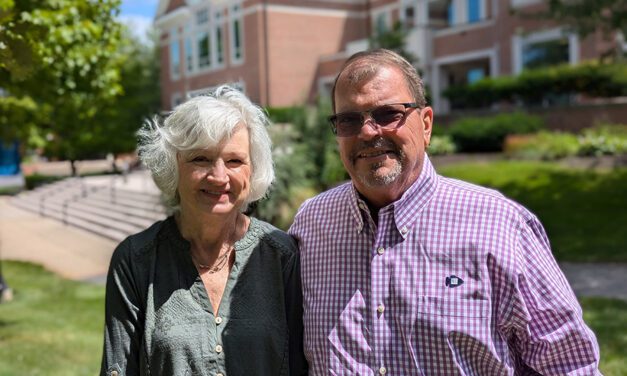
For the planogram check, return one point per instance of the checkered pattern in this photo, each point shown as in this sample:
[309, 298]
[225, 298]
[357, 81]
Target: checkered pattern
[372, 311]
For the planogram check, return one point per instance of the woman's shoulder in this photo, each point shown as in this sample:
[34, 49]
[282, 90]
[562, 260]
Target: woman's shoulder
[140, 244]
[267, 234]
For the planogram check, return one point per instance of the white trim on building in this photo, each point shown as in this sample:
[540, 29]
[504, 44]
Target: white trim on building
[520, 41]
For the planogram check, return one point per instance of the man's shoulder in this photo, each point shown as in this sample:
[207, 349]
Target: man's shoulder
[329, 198]
[463, 193]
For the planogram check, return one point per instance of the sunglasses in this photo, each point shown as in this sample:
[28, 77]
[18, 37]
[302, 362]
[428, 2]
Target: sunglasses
[388, 116]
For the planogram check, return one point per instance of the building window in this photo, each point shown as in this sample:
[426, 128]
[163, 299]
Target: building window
[189, 54]
[219, 45]
[236, 35]
[474, 75]
[450, 13]
[175, 55]
[381, 23]
[547, 53]
[204, 49]
[474, 11]
[409, 15]
[544, 48]
[202, 17]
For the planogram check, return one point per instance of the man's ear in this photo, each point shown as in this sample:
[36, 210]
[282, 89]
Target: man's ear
[426, 117]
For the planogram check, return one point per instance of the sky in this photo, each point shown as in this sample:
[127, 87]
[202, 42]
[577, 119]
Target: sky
[139, 15]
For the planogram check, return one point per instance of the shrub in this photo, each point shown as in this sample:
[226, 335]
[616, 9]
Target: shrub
[285, 114]
[441, 145]
[604, 140]
[543, 84]
[487, 134]
[542, 145]
[35, 180]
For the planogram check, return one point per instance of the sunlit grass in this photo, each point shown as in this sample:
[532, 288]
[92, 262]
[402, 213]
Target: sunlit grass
[52, 326]
[608, 320]
[584, 212]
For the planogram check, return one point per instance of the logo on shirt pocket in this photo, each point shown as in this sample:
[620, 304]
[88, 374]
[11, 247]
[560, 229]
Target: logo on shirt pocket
[453, 281]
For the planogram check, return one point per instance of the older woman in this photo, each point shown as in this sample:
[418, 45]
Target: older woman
[209, 290]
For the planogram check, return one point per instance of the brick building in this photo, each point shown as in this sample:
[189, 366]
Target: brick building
[286, 52]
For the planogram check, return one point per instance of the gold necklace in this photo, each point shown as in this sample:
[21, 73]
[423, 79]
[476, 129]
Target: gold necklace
[222, 260]
[218, 265]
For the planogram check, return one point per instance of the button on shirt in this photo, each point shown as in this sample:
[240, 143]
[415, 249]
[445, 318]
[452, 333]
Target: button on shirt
[454, 279]
[160, 320]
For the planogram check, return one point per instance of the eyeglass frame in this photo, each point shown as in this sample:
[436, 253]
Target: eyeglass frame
[407, 105]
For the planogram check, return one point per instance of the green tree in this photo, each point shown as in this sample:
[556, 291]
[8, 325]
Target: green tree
[587, 16]
[59, 65]
[117, 123]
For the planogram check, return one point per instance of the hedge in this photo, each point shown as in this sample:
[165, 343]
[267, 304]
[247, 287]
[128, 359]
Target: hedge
[488, 134]
[538, 85]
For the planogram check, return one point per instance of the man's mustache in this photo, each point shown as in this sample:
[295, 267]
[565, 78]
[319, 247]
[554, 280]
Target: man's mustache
[377, 143]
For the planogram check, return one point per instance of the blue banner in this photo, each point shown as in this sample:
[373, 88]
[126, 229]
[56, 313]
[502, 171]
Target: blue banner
[9, 158]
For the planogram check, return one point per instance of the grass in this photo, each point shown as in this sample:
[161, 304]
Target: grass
[54, 326]
[583, 211]
[608, 319]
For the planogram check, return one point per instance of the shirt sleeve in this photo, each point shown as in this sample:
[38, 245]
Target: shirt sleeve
[123, 317]
[550, 336]
[294, 311]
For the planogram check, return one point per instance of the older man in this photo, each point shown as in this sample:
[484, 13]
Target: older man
[406, 272]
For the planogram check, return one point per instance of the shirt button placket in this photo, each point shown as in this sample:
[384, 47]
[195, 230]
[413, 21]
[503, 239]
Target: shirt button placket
[382, 370]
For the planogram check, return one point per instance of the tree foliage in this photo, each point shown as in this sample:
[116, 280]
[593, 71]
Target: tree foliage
[59, 65]
[587, 16]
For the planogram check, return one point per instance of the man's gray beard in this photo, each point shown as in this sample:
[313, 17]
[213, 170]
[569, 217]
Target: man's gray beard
[372, 179]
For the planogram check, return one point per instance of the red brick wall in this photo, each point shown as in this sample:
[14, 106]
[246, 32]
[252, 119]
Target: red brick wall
[296, 42]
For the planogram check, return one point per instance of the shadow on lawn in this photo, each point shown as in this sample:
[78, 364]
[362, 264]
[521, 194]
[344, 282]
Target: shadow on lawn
[584, 212]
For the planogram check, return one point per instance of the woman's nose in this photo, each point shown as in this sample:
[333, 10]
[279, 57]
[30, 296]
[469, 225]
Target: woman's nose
[217, 173]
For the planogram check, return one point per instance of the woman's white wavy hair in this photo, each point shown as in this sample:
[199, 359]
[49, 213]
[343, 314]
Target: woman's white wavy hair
[203, 122]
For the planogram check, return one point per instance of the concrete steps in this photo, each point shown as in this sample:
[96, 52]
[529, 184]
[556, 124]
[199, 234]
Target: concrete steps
[107, 206]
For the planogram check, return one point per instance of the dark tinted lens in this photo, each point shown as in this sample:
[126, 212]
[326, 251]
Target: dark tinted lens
[388, 115]
[348, 123]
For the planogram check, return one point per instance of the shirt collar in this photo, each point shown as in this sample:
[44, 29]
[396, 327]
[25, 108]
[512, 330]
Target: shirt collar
[406, 207]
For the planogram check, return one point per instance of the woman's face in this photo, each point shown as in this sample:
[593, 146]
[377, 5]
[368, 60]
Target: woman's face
[216, 180]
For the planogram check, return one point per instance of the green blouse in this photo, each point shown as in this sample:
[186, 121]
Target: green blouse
[159, 320]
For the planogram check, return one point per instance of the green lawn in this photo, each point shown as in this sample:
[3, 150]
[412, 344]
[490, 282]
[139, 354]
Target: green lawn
[54, 326]
[584, 212]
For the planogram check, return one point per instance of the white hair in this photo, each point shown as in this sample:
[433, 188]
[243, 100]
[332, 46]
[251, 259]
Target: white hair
[203, 122]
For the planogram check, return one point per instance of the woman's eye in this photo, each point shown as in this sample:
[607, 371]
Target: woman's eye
[235, 161]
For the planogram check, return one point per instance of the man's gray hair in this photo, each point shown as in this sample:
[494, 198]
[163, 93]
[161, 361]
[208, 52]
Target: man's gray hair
[203, 122]
[366, 64]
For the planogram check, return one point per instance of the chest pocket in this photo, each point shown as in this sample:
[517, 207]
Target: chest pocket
[445, 327]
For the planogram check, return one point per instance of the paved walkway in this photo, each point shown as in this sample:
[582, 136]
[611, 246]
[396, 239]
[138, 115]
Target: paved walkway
[68, 251]
[65, 250]
[80, 255]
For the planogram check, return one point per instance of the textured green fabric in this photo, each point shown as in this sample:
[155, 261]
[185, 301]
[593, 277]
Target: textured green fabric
[159, 319]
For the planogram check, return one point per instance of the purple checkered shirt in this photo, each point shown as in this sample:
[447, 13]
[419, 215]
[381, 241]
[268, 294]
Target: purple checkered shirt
[454, 280]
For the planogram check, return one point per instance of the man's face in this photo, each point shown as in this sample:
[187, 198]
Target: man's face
[382, 163]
